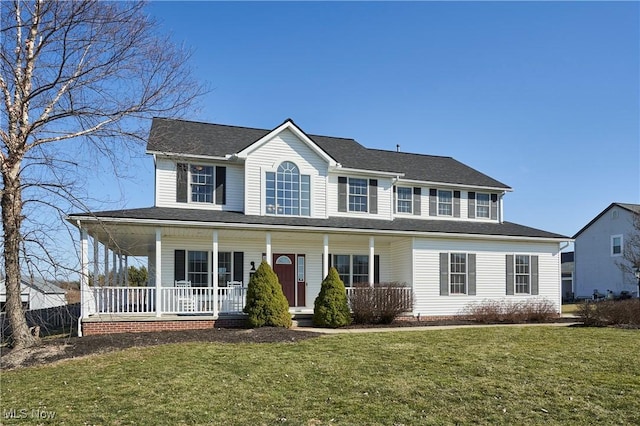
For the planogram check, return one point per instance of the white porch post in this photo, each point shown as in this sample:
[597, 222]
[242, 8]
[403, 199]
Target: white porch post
[268, 249]
[106, 265]
[114, 268]
[371, 261]
[215, 273]
[325, 256]
[96, 267]
[84, 285]
[158, 272]
[126, 269]
[120, 271]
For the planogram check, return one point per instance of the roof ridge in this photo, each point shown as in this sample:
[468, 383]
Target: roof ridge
[410, 153]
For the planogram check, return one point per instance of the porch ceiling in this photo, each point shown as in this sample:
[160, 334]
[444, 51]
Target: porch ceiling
[139, 240]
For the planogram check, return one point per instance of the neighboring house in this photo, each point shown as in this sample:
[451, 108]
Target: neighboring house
[599, 250]
[35, 294]
[567, 269]
[228, 197]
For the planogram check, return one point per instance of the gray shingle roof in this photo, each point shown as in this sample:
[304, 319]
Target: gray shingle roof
[216, 140]
[401, 224]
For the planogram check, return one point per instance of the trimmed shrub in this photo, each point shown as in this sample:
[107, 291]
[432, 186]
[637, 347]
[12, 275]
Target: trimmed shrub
[610, 312]
[508, 311]
[331, 308]
[266, 303]
[380, 304]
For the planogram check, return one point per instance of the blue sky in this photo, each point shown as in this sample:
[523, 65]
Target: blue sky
[543, 96]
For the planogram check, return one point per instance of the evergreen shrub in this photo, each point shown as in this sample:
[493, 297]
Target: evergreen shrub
[331, 308]
[266, 303]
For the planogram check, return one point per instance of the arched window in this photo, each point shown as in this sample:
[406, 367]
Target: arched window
[287, 191]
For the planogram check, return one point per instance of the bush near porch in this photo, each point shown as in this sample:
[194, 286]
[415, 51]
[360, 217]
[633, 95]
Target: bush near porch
[381, 303]
[331, 308]
[266, 303]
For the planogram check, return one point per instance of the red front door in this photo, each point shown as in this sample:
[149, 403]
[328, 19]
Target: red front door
[284, 266]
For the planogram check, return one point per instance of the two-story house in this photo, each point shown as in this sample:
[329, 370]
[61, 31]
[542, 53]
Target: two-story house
[600, 252]
[228, 197]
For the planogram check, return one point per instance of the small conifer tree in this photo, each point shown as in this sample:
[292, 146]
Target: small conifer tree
[331, 308]
[266, 303]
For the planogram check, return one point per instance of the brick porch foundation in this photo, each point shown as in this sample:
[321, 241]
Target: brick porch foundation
[143, 326]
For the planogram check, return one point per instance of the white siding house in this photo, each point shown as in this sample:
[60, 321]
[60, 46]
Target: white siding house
[230, 197]
[599, 252]
[36, 294]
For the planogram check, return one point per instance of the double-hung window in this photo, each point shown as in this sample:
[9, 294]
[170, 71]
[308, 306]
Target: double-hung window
[522, 274]
[354, 269]
[202, 184]
[458, 273]
[197, 268]
[483, 205]
[287, 191]
[405, 199]
[357, 195]
[616, 245]
[445, 203]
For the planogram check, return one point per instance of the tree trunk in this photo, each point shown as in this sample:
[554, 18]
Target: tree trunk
[21, 336]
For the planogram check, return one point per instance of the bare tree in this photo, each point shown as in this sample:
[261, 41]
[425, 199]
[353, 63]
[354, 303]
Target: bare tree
[77, 80]
[631, 251]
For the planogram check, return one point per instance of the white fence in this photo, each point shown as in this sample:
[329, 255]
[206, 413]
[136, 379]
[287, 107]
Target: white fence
[173, 300]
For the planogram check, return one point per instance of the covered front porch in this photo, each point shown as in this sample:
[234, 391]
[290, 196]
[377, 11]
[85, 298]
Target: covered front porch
[202, 272]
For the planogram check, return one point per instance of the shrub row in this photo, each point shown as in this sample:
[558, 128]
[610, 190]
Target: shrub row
[610, 312]
[380, 304]
[508, 311]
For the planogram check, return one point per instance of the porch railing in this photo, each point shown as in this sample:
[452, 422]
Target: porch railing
[173, 300]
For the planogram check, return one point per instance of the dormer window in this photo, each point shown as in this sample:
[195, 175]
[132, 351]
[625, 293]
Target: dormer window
[287, 191]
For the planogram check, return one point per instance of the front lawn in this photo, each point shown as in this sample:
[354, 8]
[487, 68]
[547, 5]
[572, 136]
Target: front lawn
[496, 375]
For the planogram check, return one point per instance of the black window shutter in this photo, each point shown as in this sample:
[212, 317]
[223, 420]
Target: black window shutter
[221, 185]
[238, 266]
[179, 260]
[417, 199]
[342, 194]
[456, 203]
[471, 289]
[376, 268]
[182, 184]
[444, 274]
[494, 206]
[472, 205]
[534, 276]
[433, 202]
[510, 276]
[373, 196]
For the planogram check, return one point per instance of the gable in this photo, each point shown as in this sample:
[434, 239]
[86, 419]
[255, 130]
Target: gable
[623, 222]
[294, 139]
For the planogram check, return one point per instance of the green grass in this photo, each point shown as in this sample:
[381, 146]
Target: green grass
[497, 375]
[570, 308]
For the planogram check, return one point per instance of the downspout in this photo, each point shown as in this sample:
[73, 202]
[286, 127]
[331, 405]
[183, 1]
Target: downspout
[502, 207]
